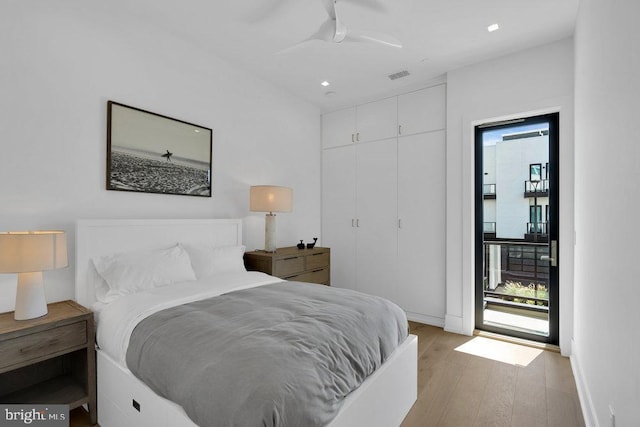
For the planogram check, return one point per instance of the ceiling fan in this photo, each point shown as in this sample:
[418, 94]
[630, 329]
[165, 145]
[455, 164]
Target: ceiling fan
[333, 30]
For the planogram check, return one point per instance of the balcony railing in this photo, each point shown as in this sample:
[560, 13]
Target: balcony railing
[536, 232]
[537, 227]
[489, 191]
[515, 272]
[536, 188]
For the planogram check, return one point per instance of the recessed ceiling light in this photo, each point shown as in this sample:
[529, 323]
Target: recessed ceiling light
[325, 83]
[196, 130]
[493, 27]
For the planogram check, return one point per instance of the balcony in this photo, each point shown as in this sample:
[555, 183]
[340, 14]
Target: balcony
[516, 286]
[489, 230]
[489, 191]
[536, 232]
[507, 261]
[536, 188]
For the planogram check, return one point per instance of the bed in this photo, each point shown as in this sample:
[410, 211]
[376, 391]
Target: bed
[382, 399]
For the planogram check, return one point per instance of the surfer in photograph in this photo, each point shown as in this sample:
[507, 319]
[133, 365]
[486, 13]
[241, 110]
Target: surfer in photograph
[168, 155]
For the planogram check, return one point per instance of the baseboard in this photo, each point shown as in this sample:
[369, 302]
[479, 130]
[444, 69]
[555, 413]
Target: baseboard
[588, 410]
[453, 324]
[426, 320]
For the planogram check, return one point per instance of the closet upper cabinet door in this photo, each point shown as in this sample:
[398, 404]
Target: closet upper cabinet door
[377, 120]
[339, 128]
[422, 111]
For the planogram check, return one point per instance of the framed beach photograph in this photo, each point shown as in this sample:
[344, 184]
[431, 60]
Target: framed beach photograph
[152, 153]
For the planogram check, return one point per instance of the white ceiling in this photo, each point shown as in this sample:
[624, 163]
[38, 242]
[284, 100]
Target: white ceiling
[437, 36]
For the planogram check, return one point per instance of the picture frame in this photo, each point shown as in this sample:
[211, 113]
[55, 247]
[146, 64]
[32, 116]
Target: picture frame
[152, 153]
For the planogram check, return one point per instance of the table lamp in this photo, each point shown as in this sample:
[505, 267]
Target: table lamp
[29, 253]
[270, 198]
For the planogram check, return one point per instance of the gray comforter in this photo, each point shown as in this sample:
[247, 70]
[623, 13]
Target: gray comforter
[284, 354]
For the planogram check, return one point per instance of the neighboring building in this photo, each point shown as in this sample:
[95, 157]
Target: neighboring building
[515, 190]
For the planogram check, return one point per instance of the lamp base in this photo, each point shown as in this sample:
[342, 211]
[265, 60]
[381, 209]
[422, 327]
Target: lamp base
[30, 299]
[270, 232]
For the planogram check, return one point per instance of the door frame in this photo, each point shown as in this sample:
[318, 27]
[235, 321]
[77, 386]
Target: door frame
[553, 118]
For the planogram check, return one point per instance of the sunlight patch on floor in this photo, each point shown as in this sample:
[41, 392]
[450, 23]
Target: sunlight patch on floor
[500, 351]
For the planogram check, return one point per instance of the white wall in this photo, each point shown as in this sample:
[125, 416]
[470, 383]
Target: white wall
[62, 61]
[606, 349]
[534, 81]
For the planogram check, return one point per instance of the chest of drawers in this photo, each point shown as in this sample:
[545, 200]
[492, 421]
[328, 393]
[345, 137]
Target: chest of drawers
[291, 263]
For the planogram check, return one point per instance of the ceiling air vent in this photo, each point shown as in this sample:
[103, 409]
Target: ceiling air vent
[399, 74]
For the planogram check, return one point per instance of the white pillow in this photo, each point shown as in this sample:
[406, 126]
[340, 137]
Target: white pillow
[208, 260]
[131, 272]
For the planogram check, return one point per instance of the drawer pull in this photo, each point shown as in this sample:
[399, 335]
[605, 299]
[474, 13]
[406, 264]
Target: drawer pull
[318, 270]
[290, 258]
[316, 254]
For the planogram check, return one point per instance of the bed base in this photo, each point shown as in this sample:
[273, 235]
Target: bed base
[383, 399]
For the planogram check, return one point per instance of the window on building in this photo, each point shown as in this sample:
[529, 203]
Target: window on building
[535, 172]
[535, 218]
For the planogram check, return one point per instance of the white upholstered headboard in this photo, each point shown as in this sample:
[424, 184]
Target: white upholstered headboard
[97, 237]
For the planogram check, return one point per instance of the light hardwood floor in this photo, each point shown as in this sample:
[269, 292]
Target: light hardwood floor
[459, 389]
[462, 390]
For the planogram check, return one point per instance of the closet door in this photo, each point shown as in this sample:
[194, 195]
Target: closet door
[339, 128]
[376, 195]
[422, 111]
[421, 232]
[377, 120]
[339, 213]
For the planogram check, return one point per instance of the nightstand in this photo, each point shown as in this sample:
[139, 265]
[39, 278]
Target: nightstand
[291, 263]
[50, 359]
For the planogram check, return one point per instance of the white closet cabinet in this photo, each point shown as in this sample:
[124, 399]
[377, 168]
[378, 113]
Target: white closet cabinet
[421, 231]
[359, 214]
[422, 111]
[383, 198]
[368, 122]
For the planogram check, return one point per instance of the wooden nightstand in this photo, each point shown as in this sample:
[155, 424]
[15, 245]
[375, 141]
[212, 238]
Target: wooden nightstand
[302, 265]
[51, 359]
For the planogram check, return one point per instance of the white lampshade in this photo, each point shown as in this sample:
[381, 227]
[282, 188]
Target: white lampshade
[25, 251]
[270, 198]
[28, 253]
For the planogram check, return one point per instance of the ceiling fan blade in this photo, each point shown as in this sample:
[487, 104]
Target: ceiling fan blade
[333, 30]
[373, 37]
[330, 7]
[325, 33]
[295, 47]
